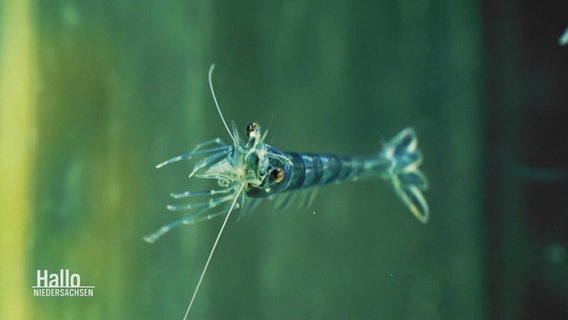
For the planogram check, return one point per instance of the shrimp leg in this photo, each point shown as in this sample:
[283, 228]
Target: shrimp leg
[199, 193]
[193, 154]
[215, 141]
[208, 161]
[211, 203]
[187, 219]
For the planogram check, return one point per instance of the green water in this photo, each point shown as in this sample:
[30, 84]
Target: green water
[122, 86]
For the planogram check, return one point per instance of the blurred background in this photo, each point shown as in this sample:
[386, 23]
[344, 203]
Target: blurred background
[94, 94]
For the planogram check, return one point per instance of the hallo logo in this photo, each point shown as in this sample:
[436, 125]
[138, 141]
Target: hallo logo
[62, 284]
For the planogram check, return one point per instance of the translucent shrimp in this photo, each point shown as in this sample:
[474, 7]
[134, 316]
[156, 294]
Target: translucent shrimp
[252, 169]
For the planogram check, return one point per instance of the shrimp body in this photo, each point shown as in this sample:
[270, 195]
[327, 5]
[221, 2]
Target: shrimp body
[250, 169]
[398, 162]
[265, 171]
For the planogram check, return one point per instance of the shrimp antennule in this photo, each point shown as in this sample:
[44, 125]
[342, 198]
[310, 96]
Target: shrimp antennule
[210, 78]
[212, 251]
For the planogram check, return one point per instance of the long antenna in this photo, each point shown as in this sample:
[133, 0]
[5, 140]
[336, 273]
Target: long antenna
[211, 68]
[212, 249]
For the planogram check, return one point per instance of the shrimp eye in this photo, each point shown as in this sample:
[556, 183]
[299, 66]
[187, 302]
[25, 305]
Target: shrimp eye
[251, 127]
[277, 175]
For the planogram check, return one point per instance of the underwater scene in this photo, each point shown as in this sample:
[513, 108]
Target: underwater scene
[184, 159]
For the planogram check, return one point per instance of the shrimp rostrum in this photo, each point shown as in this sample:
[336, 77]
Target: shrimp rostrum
[252, 169]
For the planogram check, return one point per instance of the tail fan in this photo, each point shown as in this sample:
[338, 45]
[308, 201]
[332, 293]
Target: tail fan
[407, 179]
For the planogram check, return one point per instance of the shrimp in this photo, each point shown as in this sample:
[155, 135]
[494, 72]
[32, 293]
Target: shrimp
[251, 169]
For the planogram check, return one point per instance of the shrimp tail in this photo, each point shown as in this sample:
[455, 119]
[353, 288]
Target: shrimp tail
[404, 159]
